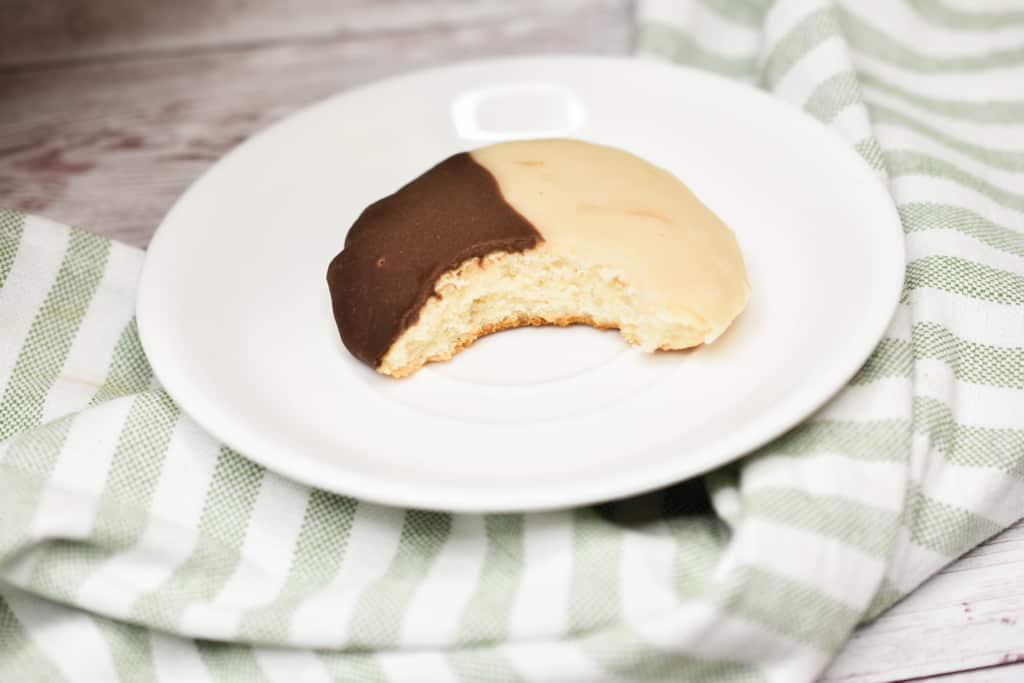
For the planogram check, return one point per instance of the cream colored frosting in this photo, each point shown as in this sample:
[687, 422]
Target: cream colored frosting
[603, 207]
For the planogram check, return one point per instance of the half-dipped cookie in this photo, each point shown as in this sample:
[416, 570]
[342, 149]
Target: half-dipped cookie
[533, 232]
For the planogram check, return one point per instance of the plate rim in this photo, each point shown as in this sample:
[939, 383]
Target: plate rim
[400, 494]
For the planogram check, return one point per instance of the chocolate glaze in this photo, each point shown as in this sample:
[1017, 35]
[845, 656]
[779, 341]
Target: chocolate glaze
[401, 244]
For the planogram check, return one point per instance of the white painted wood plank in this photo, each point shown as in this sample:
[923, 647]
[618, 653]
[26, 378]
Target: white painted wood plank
[969, 616]
[1010, 673]
[50, 31]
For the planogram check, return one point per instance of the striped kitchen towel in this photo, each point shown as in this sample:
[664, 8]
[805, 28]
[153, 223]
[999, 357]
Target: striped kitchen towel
[135, 547]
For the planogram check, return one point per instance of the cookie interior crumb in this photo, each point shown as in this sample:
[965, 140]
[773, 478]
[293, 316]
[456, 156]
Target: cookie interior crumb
[537, 287]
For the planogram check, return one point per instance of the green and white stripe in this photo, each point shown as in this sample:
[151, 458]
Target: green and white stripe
[134, 540]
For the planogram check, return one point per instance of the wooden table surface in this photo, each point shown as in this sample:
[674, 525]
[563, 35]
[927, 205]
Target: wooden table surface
[110, 108]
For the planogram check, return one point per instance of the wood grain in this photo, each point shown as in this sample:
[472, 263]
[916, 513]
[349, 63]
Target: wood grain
[48, 31]
[968, 618]
[108, 145]
[1011, 673]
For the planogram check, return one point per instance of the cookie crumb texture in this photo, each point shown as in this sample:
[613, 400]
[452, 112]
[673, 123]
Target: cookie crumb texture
[538, 287]
[536, 232]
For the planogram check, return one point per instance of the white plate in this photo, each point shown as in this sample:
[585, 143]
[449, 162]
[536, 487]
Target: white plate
[235, 317]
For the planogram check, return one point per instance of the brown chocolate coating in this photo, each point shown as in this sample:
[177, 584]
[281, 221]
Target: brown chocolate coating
[400, 245]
